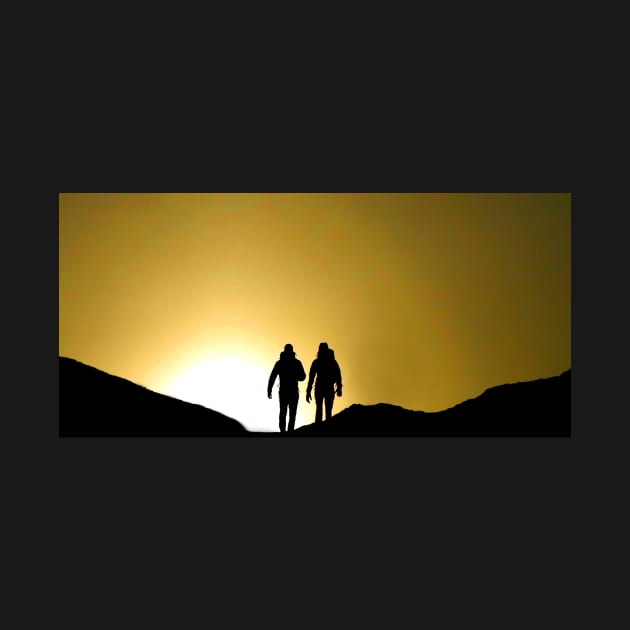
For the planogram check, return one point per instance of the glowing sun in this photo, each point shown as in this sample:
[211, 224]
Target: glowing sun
[235, 387]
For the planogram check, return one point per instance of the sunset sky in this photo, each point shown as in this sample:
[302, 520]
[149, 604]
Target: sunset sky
[427, 299]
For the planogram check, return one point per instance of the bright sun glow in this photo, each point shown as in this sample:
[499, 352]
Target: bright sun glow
[236, 388]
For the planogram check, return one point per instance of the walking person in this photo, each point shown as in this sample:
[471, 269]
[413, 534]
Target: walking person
[326, 374]
[290, 371]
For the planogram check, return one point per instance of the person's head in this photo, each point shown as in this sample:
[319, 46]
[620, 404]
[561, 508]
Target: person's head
[287, 352]
[323, 349]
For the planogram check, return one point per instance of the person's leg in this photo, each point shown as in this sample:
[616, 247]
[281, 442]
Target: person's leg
[329, 400]
[293, 403]
[283, 413]
[319, 399]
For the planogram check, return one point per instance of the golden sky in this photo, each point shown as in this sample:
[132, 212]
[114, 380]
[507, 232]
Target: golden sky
[427, 299]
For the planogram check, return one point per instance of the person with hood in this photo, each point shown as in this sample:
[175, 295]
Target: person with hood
[290, 371]
[326, 374]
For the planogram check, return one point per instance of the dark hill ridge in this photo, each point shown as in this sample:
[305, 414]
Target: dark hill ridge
[93, 403]
[539, 408]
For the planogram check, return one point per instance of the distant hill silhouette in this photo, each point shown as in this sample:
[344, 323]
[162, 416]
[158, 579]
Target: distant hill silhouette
[539, 408]
[93, 403]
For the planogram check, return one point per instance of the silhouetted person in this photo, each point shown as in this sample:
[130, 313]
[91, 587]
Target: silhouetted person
[290, 370]
[326, 373]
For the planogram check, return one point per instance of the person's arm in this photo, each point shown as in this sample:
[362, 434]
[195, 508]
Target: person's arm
[311, 378]
[272, 379]
[338, 379]
[301, 372]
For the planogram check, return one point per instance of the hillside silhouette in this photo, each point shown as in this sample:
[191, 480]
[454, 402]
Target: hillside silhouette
[93, 403]
[539, 408]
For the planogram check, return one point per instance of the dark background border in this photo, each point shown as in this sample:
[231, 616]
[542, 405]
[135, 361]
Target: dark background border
[381, 489]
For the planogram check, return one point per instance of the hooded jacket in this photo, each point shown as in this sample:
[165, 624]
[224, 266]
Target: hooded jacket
[325, 372]
[290, 371]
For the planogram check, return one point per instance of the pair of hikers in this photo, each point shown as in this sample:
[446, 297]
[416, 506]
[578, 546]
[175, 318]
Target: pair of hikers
[324, 373]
